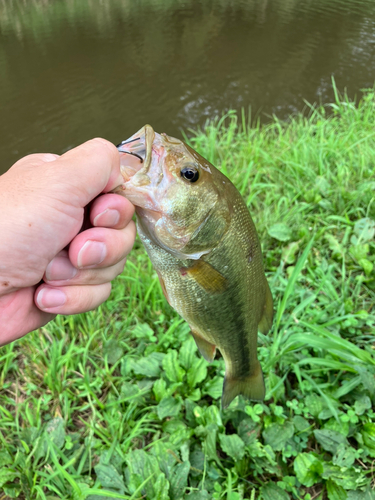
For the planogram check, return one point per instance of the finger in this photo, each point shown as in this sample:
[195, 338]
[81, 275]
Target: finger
[90, 169]
[71, 299]
[35, 159]
[101, 247]
[63, 273]
[19, 315]
[111, 210]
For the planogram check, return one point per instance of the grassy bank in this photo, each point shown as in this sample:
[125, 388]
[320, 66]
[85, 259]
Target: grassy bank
[117, 403]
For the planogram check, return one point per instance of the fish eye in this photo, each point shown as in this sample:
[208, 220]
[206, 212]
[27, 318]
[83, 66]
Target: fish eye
[191, 174]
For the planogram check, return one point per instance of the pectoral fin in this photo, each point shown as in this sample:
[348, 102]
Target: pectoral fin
[251, 387]
[207, 349]
[206, 276]
[265, 323]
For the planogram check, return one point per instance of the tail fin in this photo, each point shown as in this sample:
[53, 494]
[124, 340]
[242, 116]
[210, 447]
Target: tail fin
[251, 387]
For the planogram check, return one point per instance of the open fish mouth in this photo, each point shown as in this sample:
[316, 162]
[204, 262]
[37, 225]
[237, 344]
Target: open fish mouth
[136, 157]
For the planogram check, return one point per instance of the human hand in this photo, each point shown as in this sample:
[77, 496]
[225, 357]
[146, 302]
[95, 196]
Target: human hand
[42, 201]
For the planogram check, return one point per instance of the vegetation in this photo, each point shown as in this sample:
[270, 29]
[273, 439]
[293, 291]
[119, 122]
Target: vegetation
[117, 403]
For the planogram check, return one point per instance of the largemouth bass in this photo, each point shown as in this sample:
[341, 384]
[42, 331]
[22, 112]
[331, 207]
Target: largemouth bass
[201, 239]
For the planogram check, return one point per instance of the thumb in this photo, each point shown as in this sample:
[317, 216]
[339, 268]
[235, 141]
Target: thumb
[90, 169]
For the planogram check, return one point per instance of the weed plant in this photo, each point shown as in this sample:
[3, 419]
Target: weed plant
[117, 403]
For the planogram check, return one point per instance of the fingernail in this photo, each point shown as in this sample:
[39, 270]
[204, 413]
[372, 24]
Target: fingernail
[60, 268]
[108, 218]
[50, 297]
[91, 254]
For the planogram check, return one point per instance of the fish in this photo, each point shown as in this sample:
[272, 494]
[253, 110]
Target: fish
[202, 241]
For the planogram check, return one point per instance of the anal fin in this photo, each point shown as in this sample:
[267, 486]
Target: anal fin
[207, 349]
[252, 387]
[265, 323]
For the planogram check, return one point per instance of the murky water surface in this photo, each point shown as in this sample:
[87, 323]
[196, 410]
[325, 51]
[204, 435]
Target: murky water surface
[74, 69]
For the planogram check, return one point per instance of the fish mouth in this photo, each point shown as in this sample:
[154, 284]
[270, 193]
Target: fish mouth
[141, 165]
[136, 156]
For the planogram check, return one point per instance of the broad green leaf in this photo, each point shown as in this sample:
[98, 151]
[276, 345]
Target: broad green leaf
[336, 247]
[187, 352]
[197, 372]
[280, 231]
[198, 495]
[148, 366]
[271, 491]
[359, 252]
[362, 404]
[301, 424]
[308, 469]
[212, 416]
[248, 430]
[197, 460]
[214, 387]
[160, 389]
[368, 434]
[210, 444]
[5, 458]
[335, 492]
[232, 445]
[161, 488]
[330, 440]
[364, 229]
[110, 478]
[345, 456]
[361, 495]
[366, 265]
[346, 477]
[13, 490]
[314, 404]
[141, 466]
[277, 435]
[173, 370]
[178, 480]
[113, 350]
[55, 430]
[168, 407]
[289, 252]
[143, 331]
[7, 475]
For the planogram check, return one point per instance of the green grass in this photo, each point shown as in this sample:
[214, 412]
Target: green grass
[117, 403]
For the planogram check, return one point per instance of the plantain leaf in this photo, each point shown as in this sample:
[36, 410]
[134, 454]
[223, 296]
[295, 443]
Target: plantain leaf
[148, 366]
[308, 469]
[280, 232]
[335, 492]
[277, 435]
[178, 480]
[110, 478]
[330, 440]
[168, 407]
[232, 445]
[271, 491]
[172, 368]
[56, 431]
[197, 372]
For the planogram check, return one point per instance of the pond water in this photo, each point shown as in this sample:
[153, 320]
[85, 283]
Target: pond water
[74, 69]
